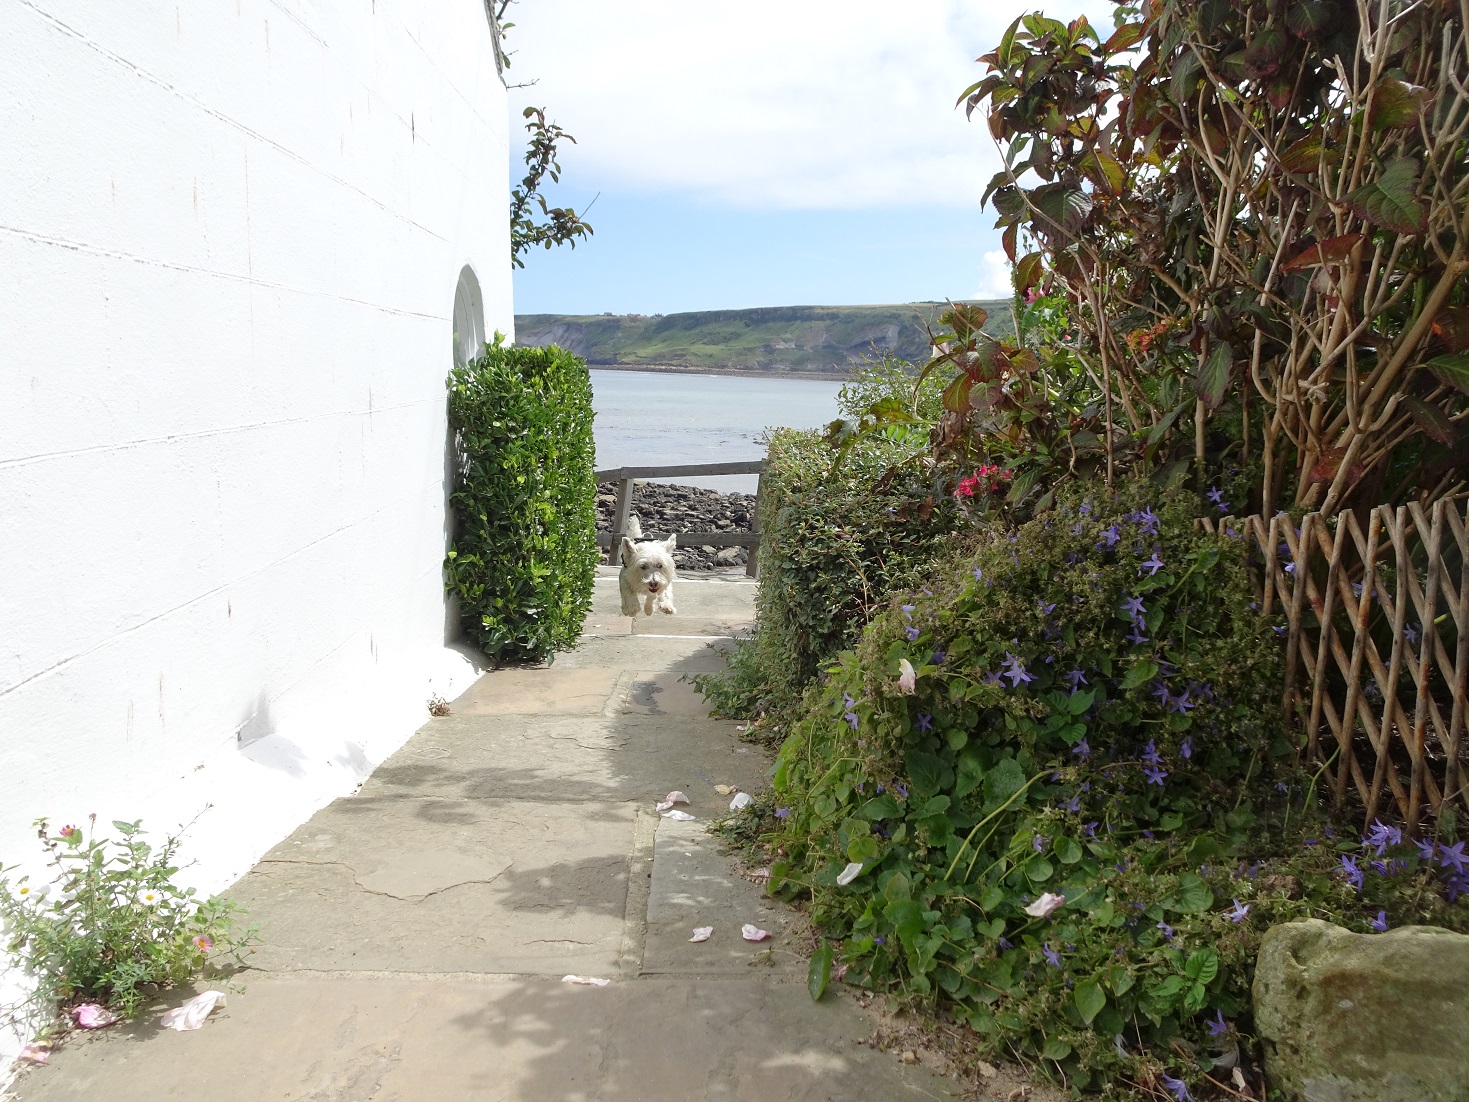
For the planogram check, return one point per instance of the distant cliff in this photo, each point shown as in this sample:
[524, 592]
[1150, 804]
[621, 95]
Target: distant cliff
[810, 340]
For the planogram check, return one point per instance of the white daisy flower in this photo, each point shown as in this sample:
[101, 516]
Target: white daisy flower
[32, 893]
[150, 897]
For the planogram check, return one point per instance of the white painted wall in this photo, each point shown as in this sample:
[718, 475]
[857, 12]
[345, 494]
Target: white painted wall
[230, 236]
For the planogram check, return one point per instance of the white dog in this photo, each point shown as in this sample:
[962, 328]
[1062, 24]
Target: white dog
[647, 572]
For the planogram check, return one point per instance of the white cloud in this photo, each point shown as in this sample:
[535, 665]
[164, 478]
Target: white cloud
[994, 276]
[805, 104]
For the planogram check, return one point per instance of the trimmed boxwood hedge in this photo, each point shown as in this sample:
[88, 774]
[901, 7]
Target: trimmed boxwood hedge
[525, 554]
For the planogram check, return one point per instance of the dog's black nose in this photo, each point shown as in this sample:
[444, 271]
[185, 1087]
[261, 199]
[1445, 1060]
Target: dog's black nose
[652, 587]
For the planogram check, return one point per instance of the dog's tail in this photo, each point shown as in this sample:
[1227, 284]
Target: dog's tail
[634, 528]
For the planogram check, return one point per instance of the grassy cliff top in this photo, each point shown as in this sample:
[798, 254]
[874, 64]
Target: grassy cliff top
[777, 339]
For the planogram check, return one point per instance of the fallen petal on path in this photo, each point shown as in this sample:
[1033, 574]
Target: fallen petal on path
[674, 797]
[681, 816]
[35, 1054]
[850, 873]
[750, 932]
[589, 981]
[92, 1016]
[726, 789]
[742, 799]
[702, 933]
[192, 1014]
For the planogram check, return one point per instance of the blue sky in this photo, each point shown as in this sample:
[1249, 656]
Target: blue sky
[661, 255]
[763, 154]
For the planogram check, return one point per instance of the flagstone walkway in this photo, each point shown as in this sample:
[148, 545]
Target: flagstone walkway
[416, 934]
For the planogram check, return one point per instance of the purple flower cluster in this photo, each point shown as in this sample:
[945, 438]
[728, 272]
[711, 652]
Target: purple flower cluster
[1146, 521]
[1014, 669]
[1451, 862]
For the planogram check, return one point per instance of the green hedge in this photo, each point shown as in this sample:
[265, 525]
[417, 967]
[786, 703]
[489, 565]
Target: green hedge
[832, 547]
[525, 553]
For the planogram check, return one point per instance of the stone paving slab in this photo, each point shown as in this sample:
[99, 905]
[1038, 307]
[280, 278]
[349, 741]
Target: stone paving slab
[695, 885]
[447, 1039]
[721, 605]
[429, 884]
[554, 691]
[569, 758]
[661, 693]
[679, 656]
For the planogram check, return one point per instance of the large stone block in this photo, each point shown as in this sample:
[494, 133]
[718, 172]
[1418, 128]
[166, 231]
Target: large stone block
[1364, 1017]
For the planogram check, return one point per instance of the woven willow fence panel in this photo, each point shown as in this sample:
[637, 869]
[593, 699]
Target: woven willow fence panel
[1377, 615]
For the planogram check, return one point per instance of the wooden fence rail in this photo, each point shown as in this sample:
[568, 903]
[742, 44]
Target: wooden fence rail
[625, 476]
[1377, 652]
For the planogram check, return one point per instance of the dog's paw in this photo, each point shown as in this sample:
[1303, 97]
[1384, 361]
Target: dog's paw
[669, 610]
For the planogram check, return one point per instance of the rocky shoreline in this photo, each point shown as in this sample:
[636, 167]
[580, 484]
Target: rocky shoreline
[685, 509]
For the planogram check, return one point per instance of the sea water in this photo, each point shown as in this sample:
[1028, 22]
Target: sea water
[650, 418]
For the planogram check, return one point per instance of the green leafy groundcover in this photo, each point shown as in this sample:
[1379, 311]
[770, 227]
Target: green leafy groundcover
[525, 554]
[1093, 715]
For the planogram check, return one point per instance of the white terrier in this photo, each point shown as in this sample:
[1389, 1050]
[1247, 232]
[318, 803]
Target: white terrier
[647, 572]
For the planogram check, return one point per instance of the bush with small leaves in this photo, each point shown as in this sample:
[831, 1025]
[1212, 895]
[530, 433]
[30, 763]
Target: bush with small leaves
[525, 553]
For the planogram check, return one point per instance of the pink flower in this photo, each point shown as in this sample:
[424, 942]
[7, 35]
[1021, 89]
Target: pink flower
[203, 943]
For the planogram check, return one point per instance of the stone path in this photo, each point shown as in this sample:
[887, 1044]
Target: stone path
[416, 934]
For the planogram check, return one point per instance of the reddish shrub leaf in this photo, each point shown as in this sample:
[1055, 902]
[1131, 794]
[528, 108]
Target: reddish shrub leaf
[1308, 18]
[1452, 370]
[1452, 327]
[1396, 103]
[1331, 251]
[1105, 171]
[956, 394]
[1326, 466]
[1062, 207]
[1432, 420]
[1304, 155]
[1124, 38]
[1391, 201]
[1281, 90]
[1266, 52]
[1212, 379]
[1028, 272]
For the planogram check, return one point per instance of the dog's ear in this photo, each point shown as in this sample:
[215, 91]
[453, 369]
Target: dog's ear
[628, 551]
[671, 542]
